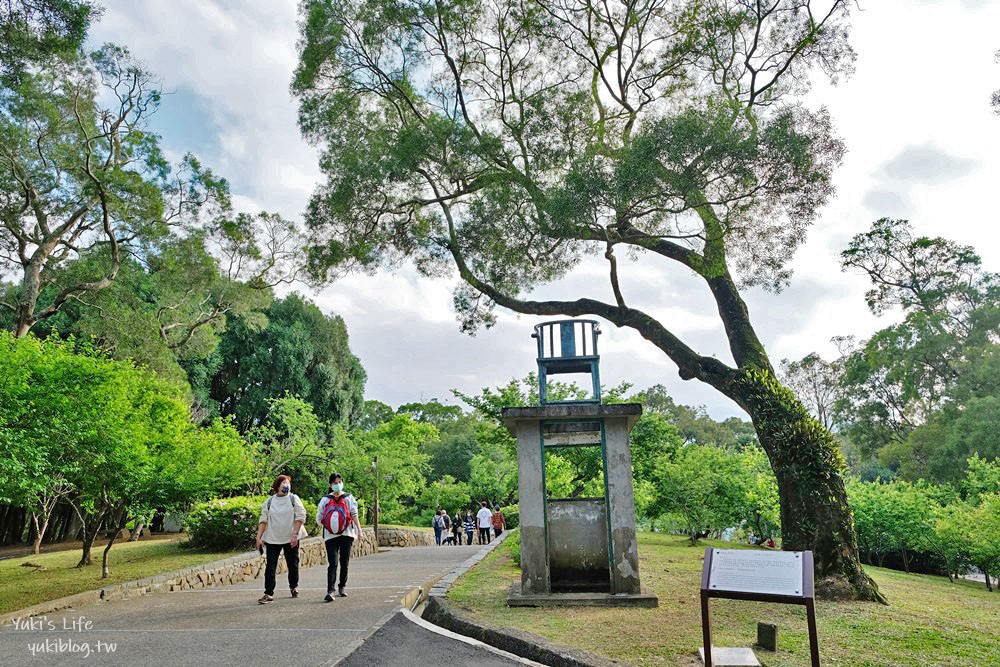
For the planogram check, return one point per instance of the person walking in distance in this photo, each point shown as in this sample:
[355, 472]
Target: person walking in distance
[498, 521]
[438, 526]
[456, 529]
[338, 514]
[470, 526]
[484, 519]
[280, 529]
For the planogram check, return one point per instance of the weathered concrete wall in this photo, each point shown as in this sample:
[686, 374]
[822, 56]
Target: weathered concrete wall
[531, 495]
[537, 568]
[621, 508]
[578, 545]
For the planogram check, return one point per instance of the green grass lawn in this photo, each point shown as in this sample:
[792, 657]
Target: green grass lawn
[22, 587]
[929, 621]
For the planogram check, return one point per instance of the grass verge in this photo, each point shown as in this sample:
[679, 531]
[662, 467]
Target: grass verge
[929, 622]
[23, 586]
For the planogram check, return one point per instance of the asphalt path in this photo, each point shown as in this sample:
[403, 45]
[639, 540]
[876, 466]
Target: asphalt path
[405, 640]
[226, 626]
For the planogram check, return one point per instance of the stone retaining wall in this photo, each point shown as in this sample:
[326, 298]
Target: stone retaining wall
[400, 537]
[241, 568]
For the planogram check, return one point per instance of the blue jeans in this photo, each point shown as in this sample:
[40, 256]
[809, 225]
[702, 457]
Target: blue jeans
[437, 535]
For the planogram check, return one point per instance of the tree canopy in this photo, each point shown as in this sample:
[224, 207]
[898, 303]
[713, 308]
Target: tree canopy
[512, 142]
[295, 349]
[34, 31]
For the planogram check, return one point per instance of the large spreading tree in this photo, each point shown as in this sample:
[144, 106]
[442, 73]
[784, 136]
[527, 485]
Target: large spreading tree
[513, 140]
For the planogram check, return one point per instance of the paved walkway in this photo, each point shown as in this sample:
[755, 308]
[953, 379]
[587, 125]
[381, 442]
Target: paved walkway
[226, 626]
[406, 640]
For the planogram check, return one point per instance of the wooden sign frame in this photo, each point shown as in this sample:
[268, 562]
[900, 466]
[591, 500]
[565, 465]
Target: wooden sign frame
[807, 599]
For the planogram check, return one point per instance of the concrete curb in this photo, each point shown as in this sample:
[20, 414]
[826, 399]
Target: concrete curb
[411, 598]
[523, 644]
[206, 575]
[437, 629]
[356, 643]
[440, 589]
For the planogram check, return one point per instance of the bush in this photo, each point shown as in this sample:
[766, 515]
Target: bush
[228, 524]
[512, 516]
[513, 545]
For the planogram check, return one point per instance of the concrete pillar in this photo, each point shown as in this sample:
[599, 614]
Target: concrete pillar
[621, 507]
[531, 503]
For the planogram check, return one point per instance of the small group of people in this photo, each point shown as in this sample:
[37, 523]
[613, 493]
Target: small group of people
[767, 543]
[280, 528]
[449, 529]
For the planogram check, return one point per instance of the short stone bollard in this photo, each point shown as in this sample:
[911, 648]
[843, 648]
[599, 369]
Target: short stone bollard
[767, 636]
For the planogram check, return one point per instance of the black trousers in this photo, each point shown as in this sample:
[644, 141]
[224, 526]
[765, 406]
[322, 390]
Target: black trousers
[338, 550]
[271, 567]
[484, 535]
[468, 537]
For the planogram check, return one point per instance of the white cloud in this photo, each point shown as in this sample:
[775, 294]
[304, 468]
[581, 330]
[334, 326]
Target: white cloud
[927, 164]
[923, 80]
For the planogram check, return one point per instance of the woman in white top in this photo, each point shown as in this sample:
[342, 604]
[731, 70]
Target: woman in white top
[280, 529]
[340, 527]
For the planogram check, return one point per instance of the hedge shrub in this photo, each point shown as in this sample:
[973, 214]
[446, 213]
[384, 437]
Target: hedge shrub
[512, 516]
[229, 524]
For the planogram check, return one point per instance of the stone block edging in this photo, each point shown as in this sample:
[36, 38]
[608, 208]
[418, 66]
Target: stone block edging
[533, 647]
[233, 570]
[440, 587]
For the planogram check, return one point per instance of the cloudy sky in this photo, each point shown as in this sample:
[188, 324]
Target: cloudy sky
[922, 144]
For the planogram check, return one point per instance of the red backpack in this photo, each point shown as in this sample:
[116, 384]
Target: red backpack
[336, 514]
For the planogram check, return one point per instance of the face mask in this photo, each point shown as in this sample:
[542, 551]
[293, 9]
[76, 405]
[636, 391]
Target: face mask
[285, 488]
[337, 488]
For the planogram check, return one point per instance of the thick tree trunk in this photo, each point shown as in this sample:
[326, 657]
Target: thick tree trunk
[808, 465]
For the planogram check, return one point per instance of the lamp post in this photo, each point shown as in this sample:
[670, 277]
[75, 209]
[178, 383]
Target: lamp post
[375, 519]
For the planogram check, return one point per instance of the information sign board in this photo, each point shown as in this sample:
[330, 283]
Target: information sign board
[763, 572]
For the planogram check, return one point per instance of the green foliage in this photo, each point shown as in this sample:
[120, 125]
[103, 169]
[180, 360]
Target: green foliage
[512, 515]
[493, 473]
[32, 33]
[445, 493]
[654, 438]
[231, 523]
[891, 517]
[298, 351]
[760, 507]
[700, 492]
[923, 394]
[930, 522]
[693, 424]
[399, 445]
[373, 414]
[513, 546]
[114, 437]
[289, 441]
[77, 156]
[982, 477]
